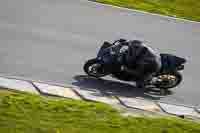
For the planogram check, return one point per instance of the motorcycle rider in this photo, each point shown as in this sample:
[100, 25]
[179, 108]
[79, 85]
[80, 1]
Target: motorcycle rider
[139, 60]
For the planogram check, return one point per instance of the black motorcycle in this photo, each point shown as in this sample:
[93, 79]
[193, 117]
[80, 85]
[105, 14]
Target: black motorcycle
[168, 77]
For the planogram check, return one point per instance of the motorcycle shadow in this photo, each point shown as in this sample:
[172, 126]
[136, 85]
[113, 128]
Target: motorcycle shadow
[115, 88]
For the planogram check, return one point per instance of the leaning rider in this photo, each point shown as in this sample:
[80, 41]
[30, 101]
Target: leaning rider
[140, 60]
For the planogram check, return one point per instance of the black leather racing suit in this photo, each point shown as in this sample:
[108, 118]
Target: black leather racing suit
[141, 60]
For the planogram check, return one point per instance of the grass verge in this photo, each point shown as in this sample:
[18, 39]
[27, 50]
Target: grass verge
[27, 113]
[187, 9]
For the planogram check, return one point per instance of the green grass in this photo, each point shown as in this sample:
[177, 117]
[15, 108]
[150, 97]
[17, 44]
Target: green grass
[26, 113]
[188, 9]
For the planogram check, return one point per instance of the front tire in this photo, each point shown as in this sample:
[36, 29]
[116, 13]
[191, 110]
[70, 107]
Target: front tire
[94, 68]
[169, 80]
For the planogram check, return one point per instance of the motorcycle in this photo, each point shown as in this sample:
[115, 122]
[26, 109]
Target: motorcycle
[168, 77]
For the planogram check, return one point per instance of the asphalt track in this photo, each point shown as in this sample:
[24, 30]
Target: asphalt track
[49, 40]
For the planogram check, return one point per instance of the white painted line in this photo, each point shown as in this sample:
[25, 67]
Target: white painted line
[17, 85]
[143, 12]
[34, 80]
[95, 95]
[140, 104]
[178, 110]
[56, 90]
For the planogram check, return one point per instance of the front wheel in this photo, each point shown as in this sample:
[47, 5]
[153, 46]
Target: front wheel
[168, 80]
[94, 68]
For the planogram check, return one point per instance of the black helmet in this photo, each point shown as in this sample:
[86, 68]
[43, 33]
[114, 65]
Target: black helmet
[136, 42]
[121, 40]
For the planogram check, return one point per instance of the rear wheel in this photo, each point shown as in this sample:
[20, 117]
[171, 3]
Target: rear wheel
[168, 80]
[94, 68]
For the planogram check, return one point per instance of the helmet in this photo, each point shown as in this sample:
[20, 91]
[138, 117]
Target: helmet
[136, 42]
[121, 40]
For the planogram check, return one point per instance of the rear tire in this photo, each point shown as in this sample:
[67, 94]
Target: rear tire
[171, 84]
[92, 63]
